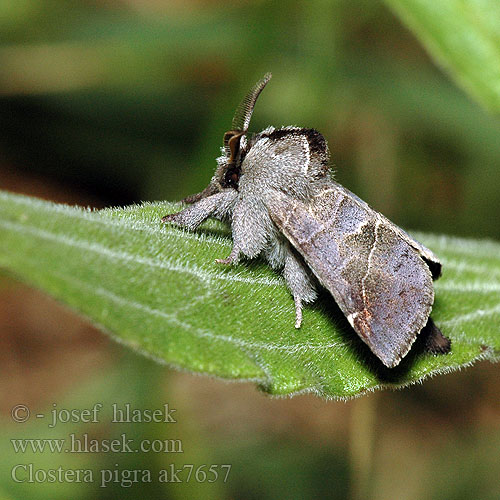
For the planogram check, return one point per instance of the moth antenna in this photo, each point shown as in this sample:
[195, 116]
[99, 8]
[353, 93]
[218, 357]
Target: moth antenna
[244, 111]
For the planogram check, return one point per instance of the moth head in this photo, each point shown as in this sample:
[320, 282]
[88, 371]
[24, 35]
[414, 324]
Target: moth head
[232, 158]
[235, 143]
[227, 173]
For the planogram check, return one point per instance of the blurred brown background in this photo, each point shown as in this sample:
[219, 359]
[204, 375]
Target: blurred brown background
[114, 102]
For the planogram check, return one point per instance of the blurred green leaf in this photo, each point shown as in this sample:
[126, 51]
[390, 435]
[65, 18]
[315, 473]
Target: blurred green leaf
[157, 289]
[464, 37]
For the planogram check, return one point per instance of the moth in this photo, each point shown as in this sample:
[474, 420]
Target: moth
[276, 190]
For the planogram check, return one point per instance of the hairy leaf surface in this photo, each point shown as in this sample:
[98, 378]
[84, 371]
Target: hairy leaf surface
[158, 290]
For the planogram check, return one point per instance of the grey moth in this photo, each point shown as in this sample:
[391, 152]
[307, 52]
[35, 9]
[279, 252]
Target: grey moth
[276, 190]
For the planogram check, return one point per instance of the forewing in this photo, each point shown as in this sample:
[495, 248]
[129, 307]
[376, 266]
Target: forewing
[376, 276]
[427, 255]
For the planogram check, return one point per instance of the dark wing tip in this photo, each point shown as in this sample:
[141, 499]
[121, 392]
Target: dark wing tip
[434, 267]
[430, 338]
[435, 341]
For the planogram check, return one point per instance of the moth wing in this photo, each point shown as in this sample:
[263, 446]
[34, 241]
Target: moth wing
[427, 255]
[376, 275]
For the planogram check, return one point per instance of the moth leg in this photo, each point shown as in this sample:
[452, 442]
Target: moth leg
[298, 311]
[218, 205]
[208, 191]
[233, 257]
[300, 282]
[251, 228]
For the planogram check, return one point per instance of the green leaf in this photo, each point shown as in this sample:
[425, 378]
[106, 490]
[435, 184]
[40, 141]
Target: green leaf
[464, 37]
[157, 289]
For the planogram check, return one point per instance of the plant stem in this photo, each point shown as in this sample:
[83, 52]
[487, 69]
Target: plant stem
[362, 439]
